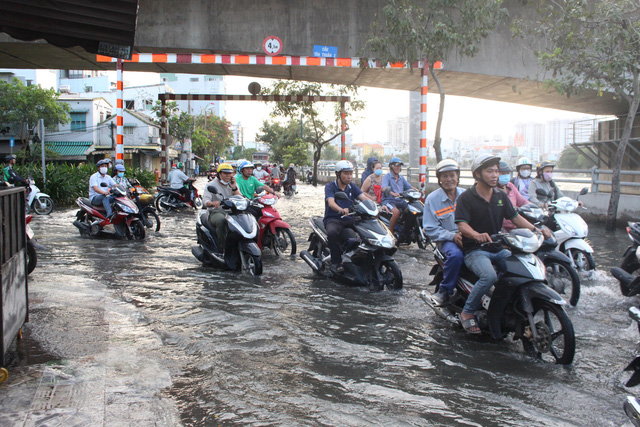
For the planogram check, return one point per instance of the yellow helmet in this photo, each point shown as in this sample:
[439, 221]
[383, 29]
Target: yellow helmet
[225, 167]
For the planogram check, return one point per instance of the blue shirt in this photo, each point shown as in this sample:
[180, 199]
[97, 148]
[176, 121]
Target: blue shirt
[397, 186]
[352, 191]
[439, 216]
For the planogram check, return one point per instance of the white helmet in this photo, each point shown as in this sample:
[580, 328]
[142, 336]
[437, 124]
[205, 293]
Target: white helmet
[447, 165]
[482, 161]
[344, 166]
[523, 161]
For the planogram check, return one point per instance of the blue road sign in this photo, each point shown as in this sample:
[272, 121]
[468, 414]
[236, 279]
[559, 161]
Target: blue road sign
[325, 51]
[12, 142]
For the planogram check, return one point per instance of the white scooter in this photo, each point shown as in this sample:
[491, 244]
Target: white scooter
[40, 203]
[570, 230]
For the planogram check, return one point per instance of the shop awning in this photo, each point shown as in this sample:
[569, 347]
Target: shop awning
[69, 148]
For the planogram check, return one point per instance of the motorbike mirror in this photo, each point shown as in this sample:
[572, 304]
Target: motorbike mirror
[259, 189]
[103, 184]
[341, 195]
[212, 189]
[584, 191]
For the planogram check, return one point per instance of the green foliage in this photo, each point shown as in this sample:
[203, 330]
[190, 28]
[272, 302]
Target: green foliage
[572, 159]
[67, 182]
[180, 122]
[331, 153]
[285, 141]
[23, 157]
[243, 153]
[22, 106]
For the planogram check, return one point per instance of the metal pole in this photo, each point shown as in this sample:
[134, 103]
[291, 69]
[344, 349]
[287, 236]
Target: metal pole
[119, 106]
[41, 132]
[423, 125]
[163, 141]
[343, 128]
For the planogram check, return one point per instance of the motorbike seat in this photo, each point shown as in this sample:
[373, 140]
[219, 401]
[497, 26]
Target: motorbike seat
[318, 221]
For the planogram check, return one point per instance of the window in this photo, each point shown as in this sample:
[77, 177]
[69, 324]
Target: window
[78, 122]
[194, 79]
[130, 105]
[128, 130]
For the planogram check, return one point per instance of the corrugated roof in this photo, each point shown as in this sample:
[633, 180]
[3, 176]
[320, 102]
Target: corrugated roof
[69, 148]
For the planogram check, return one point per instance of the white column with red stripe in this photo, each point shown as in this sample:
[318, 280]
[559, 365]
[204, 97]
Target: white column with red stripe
[423, 124]
[119, 119]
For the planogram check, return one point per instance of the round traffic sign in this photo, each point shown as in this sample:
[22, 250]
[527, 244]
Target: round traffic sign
[272, 45]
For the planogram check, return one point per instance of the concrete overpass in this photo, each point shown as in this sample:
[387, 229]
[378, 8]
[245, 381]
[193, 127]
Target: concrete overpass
[502, 71]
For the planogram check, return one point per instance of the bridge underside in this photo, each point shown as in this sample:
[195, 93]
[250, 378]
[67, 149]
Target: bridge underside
[34, 55]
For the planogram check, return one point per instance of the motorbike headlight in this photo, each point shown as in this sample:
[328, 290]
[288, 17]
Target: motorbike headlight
[127, 209]
[414, 210]
[569, 229]
[241, 204]
[382, 240]
[524, 240]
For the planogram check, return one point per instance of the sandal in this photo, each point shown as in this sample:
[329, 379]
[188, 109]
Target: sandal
[468, 324]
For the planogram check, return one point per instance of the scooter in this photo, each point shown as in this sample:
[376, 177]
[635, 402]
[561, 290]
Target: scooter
[241, 252]
[570, 231]
[561, 275]
[520, 302]
[144, 200]
[367, 261]
[92, 220]
[32, 245]
[631, 404]
[40, 203]
[169, 198]
[630, 284]
[408, 228]
[276, 185]
[274, 232]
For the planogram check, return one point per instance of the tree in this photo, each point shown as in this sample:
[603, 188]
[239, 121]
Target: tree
[331, 153]
[243, 153]
[431, 31]
[181, 123]
[593, 45]
[23, 106]
[321, 131]
[212, 137]
[570, 158]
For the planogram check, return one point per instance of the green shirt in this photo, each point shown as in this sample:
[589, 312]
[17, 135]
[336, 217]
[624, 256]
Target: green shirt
[247, 186]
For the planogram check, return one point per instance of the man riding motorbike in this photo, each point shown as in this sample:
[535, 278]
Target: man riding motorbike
[523, 176]
[247, 183]
[178, 180]
[439, 224]
[290, 177]
[339, 226]
[397, 184]
[11, 175]
[261, 174]
[99, 195]
[226, 185]
[479, 214]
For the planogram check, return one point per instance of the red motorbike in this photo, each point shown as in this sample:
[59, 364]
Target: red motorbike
[275, 184]
[92, 220]
[169, 198]
[274, 232]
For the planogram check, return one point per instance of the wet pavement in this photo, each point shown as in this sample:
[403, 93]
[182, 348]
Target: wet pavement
[125, 333]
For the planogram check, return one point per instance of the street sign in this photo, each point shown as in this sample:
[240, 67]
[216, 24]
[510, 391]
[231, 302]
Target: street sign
[325, 51]
[12, 142]
[272, 45]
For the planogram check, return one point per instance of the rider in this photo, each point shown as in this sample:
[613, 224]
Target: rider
[226, 185]
[372, 185]
[260, 174]
[479, 214]
[439, 224]
[247, 183]
[396, 184]
[178, 181]
[99, 195]
[275, 172]
[504, 184]
[290, 178]
[371, 161]
[120, 178]
[339, 227]
[10, 175]
[544, 180]
[523, 176]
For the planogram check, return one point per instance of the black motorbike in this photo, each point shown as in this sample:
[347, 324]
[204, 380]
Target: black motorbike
[408, 228]
[168, 198]
[520, 303]
[241, 252]
[368, 260]
[144, 201]
[630, 284]
[561, 275]
[632, 404]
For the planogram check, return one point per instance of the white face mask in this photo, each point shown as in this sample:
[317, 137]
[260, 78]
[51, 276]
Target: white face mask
[259, 168]
[103, 171]
[525, 173]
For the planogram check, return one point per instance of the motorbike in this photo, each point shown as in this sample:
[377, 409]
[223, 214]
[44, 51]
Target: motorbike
[274, 232]
[241, 252]
[561, 275]
[144, 201]
[92, 220]
[40, 203]
[631, 404]
[570, 230]
[367, 261]
[309, 177]
[289, 189]
[408, 228]
[32, 245]
[276, 185]
[169, 198]
[520, 302]
[630, 285]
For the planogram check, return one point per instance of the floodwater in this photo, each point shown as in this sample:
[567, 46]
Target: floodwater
[289, 348]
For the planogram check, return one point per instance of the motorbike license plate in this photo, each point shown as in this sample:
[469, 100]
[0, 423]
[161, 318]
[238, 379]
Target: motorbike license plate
[29, 232]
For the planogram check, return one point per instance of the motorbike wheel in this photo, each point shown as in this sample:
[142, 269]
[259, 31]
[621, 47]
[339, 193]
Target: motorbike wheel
[252, 264]
[152, 219]
[422, 243]
[391, 275]
[137, 230]
[284, 244]
[42, 206]
[162, 203]
[583, 260]
[556, 339]
[563, 279]
[32, 258]
[197, 203]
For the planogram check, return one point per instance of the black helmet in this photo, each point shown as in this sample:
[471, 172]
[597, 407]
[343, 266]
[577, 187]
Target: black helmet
[543, 164]
[504, 167]
[9, 158]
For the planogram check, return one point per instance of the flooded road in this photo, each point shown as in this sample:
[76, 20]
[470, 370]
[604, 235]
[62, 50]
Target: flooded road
[290, 348]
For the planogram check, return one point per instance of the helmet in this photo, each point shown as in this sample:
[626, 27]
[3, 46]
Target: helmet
[103, 162]
[395, 160]
[291, 165]
[225, 167]
[281, 165]
[120, 168]
[543, 164]
[504, 167]
[258, 164]
[180, 165]
[10, 157]
[523, 161]
[344, 166]
[483, 161]
[447, 165]
[245, 164]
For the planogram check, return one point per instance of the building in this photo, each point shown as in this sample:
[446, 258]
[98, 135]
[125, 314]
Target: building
[197, 84]
[398, 134]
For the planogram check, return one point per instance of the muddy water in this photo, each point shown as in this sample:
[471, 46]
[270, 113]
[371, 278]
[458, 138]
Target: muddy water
[289, 348]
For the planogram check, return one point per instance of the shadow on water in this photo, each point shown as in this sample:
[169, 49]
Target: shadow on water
[293, 348]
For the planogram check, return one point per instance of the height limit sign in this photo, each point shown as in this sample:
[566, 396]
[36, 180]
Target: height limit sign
[272, 45]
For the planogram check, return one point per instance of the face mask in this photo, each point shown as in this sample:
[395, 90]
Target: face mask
[121, 174]
[503, 179]
[548, 176]
[378, 172]
[103, 171]
[525, 173]
[259, 168]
